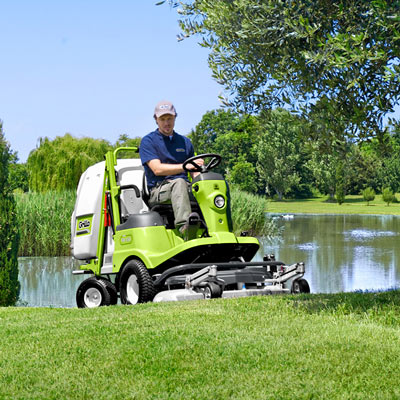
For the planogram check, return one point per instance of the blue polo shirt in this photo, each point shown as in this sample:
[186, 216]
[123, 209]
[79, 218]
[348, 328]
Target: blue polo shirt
[174, 149]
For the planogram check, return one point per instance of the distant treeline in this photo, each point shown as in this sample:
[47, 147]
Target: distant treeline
[275, 154]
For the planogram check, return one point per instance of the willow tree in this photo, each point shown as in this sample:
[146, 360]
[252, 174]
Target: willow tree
[339, 59]
[9, 236]
[58, 164]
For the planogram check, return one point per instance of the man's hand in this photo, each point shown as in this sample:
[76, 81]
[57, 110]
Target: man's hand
[199, 162]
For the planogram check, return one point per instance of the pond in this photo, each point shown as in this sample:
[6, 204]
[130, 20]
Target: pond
[341, 253]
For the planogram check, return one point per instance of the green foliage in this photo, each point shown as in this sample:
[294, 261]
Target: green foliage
[18, 177]
[213, 124]
[368, 194]
[9, 237]
[44, 220]
[343, 55]
[243, 176]
[226, 133]
[58, 164]
[388, 196]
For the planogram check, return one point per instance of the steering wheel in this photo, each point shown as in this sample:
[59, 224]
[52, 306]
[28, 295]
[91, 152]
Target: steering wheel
[215, 159]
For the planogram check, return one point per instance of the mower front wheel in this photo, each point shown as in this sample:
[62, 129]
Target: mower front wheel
[212, 290]
[92, 293]
[136, 284]
[300, 286]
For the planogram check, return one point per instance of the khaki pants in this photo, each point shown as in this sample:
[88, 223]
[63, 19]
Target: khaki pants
[175, 192]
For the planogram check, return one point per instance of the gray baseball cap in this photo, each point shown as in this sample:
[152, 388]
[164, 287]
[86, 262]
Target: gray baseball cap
[164, 107]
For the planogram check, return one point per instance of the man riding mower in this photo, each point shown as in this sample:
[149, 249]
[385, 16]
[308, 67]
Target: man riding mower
[136, 254]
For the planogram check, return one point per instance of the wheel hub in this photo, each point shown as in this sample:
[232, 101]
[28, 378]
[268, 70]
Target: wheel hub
[92, 298]
[132, 289]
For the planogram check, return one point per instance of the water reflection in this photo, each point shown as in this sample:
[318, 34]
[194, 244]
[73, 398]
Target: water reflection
[342, 252]
[48, 281]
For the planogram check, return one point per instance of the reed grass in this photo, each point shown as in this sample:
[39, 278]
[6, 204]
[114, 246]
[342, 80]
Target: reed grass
[248, 214]
[45, 223]
[45, 227]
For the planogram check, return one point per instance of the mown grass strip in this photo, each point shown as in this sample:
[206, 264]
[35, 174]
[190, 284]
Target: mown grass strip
[321, 205]
[313, 346]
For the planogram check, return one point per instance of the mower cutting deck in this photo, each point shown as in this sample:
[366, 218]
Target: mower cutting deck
[134, 252]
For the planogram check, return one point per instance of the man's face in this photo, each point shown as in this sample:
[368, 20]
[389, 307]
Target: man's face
[166, 124]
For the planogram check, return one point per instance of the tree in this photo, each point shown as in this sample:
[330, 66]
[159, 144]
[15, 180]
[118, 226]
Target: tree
[340, 183]
[58, 164]
[213, 124]
[234, 137]
[18, 174]
[341, 56]
[125, 141]
[279, 152]
[9, 236]
[323, 168]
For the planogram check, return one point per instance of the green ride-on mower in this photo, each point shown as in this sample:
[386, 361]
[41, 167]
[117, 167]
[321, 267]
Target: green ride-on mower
[134, 252]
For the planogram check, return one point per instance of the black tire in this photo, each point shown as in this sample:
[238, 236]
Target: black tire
[136, 285]
[92, 293]
[212, 290]
[112, 291]
[300, 286]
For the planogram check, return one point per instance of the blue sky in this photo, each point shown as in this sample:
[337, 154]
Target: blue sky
[96, 68]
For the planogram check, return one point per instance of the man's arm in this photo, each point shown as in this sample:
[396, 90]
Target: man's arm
[162, 169]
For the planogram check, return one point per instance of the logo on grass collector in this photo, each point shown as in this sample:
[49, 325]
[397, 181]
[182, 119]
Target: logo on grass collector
[84, 225]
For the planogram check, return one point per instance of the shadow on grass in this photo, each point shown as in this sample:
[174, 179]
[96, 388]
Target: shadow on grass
[349, 303]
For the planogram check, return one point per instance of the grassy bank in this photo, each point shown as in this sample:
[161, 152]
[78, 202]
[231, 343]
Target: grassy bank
[278, 347]
[322, 205]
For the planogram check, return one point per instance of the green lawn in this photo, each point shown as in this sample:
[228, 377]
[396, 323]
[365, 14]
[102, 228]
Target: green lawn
[321, 205]
[338, 346]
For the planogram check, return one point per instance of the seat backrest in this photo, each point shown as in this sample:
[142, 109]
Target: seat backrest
[130, 179]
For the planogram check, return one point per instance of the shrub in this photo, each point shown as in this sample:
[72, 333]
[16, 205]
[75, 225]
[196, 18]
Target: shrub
[368, 194]
[388, 195]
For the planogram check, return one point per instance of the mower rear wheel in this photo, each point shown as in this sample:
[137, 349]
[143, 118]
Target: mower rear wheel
[136, 284]
[112, 291]
[92, 293]
[300, 286]
[212, 290]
